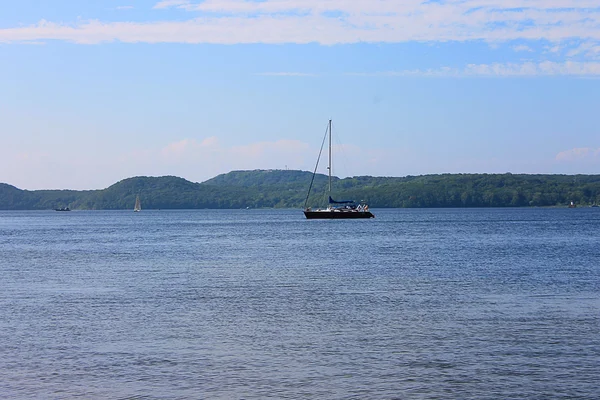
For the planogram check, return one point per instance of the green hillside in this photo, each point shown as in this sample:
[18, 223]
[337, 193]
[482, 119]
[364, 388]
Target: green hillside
[12, 198]
[283, 188]
[262, 178]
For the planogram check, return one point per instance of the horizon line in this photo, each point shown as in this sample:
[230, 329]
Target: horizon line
[309, 172]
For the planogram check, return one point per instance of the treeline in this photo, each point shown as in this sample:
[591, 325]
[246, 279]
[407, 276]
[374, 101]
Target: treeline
[488, 190]
[288, 189]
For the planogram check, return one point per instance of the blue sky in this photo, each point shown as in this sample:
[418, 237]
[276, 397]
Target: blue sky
[94, 93]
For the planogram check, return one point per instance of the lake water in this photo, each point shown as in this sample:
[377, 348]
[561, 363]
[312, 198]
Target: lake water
[256, 304]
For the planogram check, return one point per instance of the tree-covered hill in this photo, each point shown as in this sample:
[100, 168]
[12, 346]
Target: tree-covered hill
[12, 198]
[261, 178]
[283, 188]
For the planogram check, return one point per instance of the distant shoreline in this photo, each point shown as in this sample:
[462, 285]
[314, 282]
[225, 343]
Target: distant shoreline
[272, 189]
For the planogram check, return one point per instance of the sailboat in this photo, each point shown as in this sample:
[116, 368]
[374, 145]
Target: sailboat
[346, 209]
[138, 204]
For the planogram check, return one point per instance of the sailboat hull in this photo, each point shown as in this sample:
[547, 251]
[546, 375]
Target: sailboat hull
[330, 214]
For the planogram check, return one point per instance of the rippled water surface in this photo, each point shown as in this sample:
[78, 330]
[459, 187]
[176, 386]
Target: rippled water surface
[255, 304]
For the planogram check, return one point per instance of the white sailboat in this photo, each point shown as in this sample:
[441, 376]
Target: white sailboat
[138, 204]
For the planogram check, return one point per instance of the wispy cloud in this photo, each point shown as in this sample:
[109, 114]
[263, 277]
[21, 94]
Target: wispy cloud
[33, 42]
[171, 3]
[285, 74]
[545, 68]
[124, 8]
[339, 21]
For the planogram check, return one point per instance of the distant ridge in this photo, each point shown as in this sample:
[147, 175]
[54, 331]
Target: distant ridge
[261, 177]
[288, 188]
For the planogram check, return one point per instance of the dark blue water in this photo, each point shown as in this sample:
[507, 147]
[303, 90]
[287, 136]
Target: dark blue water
[252, 304]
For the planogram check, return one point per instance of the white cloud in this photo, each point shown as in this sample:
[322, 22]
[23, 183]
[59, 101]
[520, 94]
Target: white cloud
[124, 8]
[522, 47]
[339, 21]
[555, 49]
[579, 154]
[588, 49]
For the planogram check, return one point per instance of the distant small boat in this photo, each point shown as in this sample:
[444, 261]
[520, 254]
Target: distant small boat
[138, 204]
[62, 209]
[572, 205]
[594, 205]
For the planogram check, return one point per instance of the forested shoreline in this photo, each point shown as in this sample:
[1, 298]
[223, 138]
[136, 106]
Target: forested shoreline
[288, 189]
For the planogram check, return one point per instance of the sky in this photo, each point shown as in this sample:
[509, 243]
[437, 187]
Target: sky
[95, 92]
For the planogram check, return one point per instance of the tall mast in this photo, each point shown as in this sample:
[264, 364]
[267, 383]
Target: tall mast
[329, 167]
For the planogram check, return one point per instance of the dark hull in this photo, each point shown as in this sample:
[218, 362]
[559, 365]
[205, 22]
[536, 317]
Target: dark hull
[338, 214]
